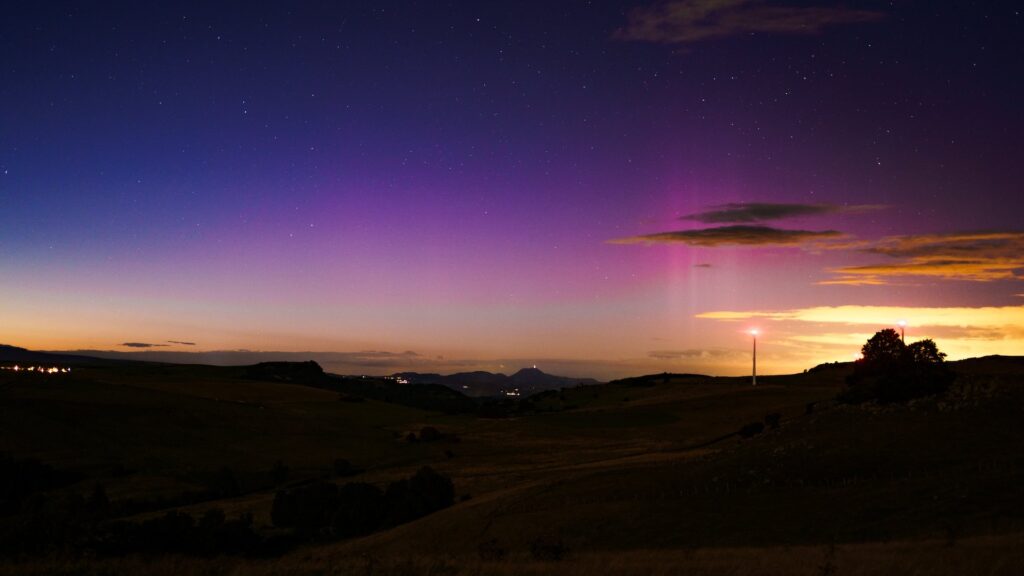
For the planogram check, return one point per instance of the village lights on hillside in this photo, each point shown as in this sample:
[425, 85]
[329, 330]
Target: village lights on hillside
[903, 325]
[753, 379]
[39, 369]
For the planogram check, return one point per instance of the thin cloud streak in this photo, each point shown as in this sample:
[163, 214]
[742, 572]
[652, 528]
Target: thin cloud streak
[734, 236]
[884, 315]
[828, 333]
[691, 21]
[746, 212]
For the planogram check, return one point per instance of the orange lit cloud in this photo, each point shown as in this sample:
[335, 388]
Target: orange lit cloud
[825, 330]
[977, 257]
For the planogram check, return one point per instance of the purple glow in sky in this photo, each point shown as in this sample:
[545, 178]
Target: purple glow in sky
[606, 188]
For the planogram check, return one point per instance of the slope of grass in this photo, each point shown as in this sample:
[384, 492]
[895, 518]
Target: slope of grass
[643, 476]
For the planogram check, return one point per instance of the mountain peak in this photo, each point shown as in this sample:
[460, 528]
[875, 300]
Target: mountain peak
[534, 371]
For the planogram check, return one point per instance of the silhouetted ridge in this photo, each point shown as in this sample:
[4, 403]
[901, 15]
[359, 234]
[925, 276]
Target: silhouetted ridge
[298, 372]
[15, 354]
[480, 383]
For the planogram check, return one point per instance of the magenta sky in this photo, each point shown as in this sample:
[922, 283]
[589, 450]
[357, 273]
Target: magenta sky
[492, 186]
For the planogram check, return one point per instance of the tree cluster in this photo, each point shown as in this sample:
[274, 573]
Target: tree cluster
[323, 509]
[891, 371]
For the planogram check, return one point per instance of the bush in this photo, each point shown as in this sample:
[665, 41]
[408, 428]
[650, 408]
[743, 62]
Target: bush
[323, 509]
[751, 430]
[360, 510]
[178, 532]
[343, 467]
[424, 493]
[548, 550]
[308, 509]
[429, 434]
[772, 420]
[491, 551]
[279, 473]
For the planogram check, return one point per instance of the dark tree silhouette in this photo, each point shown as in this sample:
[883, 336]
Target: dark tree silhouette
[885, 347]
[279, 473]
[892, 372]
[925, 352]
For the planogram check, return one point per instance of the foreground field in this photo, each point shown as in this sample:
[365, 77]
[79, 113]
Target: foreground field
[641, 477]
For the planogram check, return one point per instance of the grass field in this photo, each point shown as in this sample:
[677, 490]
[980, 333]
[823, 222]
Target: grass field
[616, 478]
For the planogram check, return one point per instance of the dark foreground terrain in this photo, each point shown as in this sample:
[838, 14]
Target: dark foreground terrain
[103, 465]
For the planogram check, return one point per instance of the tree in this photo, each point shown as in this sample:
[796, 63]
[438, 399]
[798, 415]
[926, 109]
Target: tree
[885, 347]
[279, 473]
[925, 352]
[892, 372]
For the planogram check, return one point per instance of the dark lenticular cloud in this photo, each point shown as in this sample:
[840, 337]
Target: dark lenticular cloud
[141, 345]
[182, 343]
[689, 21]
[734, 236]
[743, 212]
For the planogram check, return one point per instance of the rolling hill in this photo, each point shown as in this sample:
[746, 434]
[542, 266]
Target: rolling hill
[645, 475]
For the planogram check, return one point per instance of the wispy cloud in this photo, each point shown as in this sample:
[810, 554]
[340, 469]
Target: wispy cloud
[694, 354]
[141, 345]
[978, 257]
[690, 21]
[745, 212]
[182, 343]
[703, 265]
[831, 332]
[884, 315]
[734, 236]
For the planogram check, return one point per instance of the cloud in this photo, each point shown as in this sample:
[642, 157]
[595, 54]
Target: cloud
[182, 343]
[703, 265]
[141, 345]
[883, 316]
[690, 21]
[693, 354]
[974, 256]
[745, 212]
[734, 236]
[835, 332]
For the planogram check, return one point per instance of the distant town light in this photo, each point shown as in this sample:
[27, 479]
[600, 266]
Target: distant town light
[40, 369]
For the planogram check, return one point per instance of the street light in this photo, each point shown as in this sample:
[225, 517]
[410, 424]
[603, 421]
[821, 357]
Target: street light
[903, 326]
[753, 378]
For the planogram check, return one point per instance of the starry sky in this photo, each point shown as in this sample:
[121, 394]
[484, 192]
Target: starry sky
[599, 188]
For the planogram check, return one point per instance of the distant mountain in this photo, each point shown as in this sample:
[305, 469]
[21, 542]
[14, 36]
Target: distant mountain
[480, 384]
[16, 354]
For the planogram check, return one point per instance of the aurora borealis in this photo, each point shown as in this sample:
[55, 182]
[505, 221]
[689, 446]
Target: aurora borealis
[602, 188]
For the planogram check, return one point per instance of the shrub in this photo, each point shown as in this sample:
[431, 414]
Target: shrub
[343, 467]
[429, 434]
[751, 430]
[548, 550]
[424, 493]
[491, 551]
[308, 509]
[324, 509]
[279, 473]
[360, 510]
[772, 420]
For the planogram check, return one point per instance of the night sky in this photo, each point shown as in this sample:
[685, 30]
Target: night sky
[598, 188]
